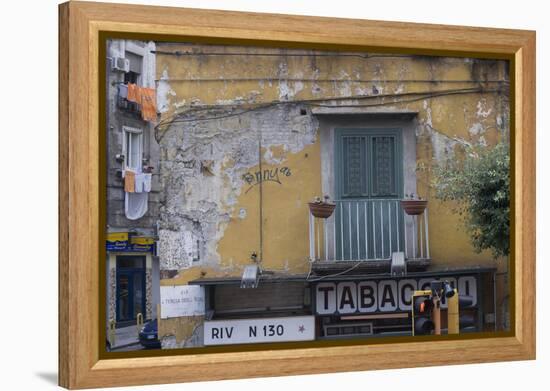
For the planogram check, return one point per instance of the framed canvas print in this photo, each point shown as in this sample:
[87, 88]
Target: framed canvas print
[247, 195]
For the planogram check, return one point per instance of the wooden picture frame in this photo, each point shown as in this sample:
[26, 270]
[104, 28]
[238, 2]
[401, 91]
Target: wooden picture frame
[81, 364]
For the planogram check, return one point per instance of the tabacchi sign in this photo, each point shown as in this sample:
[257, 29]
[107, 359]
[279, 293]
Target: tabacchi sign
[229, 332]
[349, 297]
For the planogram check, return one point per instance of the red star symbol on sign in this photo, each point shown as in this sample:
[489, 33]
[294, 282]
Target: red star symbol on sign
[301, 329]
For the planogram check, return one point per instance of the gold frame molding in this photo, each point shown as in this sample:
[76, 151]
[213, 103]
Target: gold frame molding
[82, 365]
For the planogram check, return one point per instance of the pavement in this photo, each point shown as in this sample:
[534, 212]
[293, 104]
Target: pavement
[126, 339]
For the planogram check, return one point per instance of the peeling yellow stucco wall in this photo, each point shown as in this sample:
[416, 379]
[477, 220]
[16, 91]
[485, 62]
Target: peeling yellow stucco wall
[285, 242]
[220, 210]
[446, 122]
[214, 215]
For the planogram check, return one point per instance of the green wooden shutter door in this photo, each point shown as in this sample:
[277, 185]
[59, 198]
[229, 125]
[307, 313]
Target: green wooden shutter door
[368, 185]
[382, 161]
[354, 179]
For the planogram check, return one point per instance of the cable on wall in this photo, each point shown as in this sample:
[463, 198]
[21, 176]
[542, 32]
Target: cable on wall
[318, 102]
[180, 53]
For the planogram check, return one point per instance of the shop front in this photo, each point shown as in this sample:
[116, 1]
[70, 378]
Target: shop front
[132, 289]
[348, 306]
[277, 309]
[324, 307]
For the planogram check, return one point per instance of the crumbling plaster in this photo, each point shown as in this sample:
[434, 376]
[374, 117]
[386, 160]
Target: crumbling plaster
[198, 210]
[198, 207]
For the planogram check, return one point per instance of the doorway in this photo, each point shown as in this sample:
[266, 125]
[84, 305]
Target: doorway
[368, 186]
[130, 288]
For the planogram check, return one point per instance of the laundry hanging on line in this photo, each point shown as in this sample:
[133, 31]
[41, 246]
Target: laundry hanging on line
[135, 205]
[143, 183]
[148, 104]
[146, 98]
[137, 185]
[133, 94]
[129, 181]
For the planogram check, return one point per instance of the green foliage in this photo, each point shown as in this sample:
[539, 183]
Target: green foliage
[480, 188]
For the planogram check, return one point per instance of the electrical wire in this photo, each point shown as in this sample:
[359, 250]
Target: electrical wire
[349, 97]
[310, 269]
[179, 53]
[261, 197]
[337, 274]
[293, 79]
[312, 100]
[406, 100]
[221, 116]
[317, 102]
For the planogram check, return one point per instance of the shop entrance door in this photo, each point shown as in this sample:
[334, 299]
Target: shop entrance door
[130, 288]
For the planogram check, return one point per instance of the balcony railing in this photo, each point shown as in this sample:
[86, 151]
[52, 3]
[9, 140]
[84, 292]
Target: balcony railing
[370, 229]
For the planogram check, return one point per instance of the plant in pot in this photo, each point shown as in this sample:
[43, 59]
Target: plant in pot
[321, 208]
[413, 204]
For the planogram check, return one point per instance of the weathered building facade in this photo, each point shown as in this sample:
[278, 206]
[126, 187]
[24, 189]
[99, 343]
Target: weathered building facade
[132, 266]
[249, 136]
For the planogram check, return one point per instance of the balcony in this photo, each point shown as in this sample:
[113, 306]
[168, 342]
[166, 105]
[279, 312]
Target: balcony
[368, 230]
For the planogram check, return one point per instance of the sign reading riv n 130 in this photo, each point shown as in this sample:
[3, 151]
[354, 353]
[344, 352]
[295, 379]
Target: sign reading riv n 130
[228, 332]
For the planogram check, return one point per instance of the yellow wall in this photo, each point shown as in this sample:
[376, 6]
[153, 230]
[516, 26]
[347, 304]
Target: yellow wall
[285, 223]
[445, 124]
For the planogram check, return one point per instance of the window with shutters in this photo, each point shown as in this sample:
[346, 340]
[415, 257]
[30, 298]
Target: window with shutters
[368, 163]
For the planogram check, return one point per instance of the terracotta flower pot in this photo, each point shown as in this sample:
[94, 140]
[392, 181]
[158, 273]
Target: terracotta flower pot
[414, 207]
[321, 209]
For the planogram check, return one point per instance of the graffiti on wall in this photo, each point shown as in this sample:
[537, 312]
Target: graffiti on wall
[268, 175]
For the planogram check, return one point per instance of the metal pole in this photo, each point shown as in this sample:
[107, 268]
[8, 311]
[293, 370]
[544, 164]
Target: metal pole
[342, 229]
[349, 229]
[420, 242]
[405, 236]
[261, 198]
[453, 315]
[381, 229]
[357, 221]
[366, 232]
[334, 232]
[389, 224]
[373, 231]
[436, 315]
[414, 235]
[397, 224]
[427, 233]
[139, 322]
[326, 237]
[316, 222]
[311, 238]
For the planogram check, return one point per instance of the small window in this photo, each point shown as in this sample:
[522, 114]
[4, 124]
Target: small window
[136, 65]
[132, 147]
[131, 77]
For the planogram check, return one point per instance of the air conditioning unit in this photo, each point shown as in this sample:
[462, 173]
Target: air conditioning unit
[120, 64]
